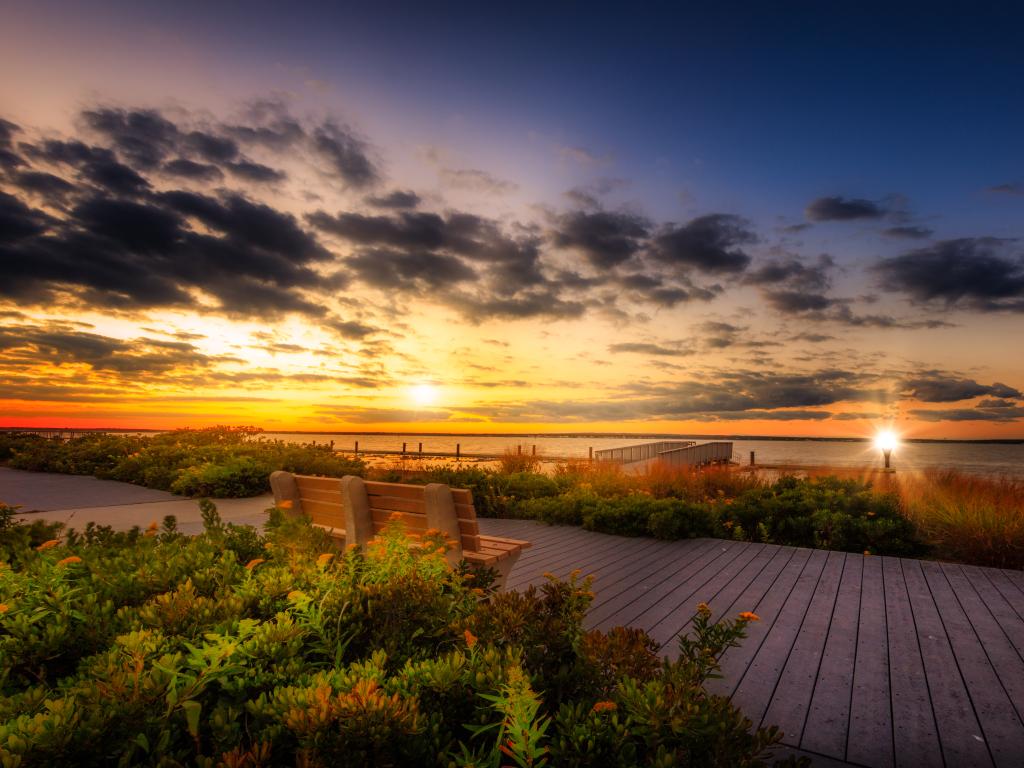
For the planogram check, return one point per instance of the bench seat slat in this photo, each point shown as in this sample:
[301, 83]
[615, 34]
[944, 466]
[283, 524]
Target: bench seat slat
[324, 512]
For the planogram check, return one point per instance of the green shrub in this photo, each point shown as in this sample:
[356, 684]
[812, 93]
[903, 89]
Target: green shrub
[827, 513]
[152, 648]
[219, 462]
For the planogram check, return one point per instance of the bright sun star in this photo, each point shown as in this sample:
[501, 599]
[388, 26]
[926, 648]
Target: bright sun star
[886, 440]
[424, 394]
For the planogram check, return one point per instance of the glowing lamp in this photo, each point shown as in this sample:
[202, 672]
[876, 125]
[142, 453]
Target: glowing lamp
[886, 441]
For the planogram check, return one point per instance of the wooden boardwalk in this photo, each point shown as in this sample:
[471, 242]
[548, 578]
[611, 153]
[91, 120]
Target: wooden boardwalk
[870, 661]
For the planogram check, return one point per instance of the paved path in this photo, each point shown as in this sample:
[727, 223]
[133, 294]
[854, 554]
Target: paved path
[76, 500]
[869, 661]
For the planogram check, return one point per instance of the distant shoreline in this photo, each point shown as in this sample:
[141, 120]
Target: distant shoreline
[562, 435]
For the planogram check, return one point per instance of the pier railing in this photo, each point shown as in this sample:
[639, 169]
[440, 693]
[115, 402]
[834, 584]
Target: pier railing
[631, 453]
[696, 455]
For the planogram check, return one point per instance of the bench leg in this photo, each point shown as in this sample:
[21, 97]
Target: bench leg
[504, 568]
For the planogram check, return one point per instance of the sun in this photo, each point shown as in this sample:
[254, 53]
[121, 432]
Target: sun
[424, 394]
[886, 440]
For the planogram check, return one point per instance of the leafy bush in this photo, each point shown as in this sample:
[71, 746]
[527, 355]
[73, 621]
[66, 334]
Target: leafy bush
[219, 462]
[235, 649]
[827, 512]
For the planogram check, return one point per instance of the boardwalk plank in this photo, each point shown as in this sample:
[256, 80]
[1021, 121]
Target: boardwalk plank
[665, 630]
[627, 607]
[742, 592]
[870, 740]
[960, 734]
[736, 661]
[914, 730]
[754, 693]
[608, 560]
[635, 580]
[1000, 725]
[1002, 611]
[792, 697]
[682, 597]
[998, 648]
[828, 717]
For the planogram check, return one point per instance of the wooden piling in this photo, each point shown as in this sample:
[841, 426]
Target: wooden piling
[751, 458]
[458, 451]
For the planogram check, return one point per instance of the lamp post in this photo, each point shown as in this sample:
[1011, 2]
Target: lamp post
[886, 441]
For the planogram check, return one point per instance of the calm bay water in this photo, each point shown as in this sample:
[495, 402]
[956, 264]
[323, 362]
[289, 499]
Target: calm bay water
[976, 458]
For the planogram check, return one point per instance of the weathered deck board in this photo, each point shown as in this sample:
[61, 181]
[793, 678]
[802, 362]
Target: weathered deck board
[870, 740]
[828, 715]
[861, 660]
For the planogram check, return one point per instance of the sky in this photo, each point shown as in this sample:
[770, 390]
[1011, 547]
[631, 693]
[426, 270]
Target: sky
[762, 219]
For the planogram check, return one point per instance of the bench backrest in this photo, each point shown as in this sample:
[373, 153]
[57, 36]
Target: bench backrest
[363, 509]
[410, 501]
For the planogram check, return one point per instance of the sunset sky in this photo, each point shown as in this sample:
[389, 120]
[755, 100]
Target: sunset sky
[769, 218]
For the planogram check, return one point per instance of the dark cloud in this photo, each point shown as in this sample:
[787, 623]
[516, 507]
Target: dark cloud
[346, 154]
[796, 302]
[937, 388]
[211, 147]
[61, 346]
[721, 395]
[145, 137]
[708, 244]
[909, 232]
[605, 238]
[255, 172]
[267, 123]
[7, 131]
[475, 180]
[351, 329]
[398, 198]
[190, 169]
[843, 209]
[796, 274]
[45, 184]
[974, 273]
[401, 270]
[1008, 189]
[644, 348]
[19, 221]
[996, 415]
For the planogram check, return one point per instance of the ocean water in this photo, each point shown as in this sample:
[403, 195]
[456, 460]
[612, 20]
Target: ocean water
[975, 458]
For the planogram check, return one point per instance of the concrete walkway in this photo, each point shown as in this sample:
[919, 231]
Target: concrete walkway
[76, 500]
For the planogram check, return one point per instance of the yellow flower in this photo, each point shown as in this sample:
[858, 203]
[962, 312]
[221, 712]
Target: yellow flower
[4, 607]
[69, 560]
[477, 591]
[286, 504]
[253, 563]
[605, 706]
[48, 545]
[296, 594]
[152, 526]
[749, 616]
[867, 553]
[470, 639]
[704, 609]
[324, 559]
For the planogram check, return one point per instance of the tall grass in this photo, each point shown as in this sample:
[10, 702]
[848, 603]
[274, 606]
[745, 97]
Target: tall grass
[967, 518]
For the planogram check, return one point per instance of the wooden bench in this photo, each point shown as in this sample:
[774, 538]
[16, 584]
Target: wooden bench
[355, 510]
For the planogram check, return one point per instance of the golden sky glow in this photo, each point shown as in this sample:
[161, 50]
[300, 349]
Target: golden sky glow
[268, 239]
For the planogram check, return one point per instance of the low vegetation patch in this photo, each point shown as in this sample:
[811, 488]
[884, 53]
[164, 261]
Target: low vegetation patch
[220, 461]
[236, 649]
